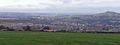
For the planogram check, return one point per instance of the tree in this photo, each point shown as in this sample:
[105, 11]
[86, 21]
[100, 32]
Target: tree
[27, 28]
[10, 29]
[2, 27]
[46, 28]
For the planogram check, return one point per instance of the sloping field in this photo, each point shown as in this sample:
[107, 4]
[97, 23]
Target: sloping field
[50, 38]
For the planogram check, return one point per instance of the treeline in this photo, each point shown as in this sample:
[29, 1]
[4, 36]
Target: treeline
[48, 29]
[29, 28]
[4, 28]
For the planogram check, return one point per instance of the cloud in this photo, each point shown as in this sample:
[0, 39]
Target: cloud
[61, 5]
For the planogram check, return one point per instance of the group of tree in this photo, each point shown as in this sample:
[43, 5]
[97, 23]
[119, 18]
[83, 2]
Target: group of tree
[3, 28]
[27, 28]
[24, 28]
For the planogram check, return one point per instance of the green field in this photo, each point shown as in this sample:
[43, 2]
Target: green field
[50, 38]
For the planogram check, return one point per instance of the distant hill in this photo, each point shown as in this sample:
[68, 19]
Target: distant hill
[108, 13]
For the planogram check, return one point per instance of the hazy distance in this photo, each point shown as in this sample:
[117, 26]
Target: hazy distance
[60, 6]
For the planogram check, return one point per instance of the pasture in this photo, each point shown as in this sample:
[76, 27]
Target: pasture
[58, 38]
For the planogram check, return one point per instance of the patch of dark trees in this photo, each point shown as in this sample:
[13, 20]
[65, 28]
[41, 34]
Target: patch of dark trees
[3, 28]
[28, 28]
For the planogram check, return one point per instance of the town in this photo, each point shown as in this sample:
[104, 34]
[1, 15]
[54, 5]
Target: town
[102, 22]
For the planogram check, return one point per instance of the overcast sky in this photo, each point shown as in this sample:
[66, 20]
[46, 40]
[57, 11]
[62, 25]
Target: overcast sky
[60, 5]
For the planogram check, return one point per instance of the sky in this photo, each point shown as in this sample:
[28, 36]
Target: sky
[61, 6]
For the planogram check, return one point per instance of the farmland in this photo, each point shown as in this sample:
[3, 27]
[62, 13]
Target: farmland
[58, 38]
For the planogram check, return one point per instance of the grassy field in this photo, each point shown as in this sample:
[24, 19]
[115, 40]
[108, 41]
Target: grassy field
[49, 38]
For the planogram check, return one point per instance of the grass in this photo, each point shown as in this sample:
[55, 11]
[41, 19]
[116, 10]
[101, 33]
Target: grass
[50, 38]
